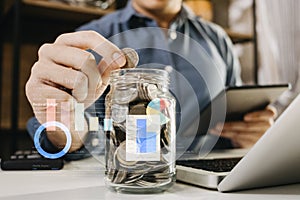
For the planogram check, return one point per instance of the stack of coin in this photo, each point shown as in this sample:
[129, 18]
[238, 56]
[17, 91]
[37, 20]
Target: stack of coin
[136, 173]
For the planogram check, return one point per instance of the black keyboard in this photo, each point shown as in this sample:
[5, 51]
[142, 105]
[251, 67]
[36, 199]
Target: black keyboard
[214, 165]
[30, 160]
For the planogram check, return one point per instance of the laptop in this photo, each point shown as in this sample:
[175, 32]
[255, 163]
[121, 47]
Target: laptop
[273, 160]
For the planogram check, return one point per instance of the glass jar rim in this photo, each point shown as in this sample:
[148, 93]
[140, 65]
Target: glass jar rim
[159, 72]
[157, 76]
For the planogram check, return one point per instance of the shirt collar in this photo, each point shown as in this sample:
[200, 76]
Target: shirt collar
[185, 14]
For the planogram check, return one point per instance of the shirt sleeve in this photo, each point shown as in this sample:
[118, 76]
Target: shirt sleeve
[47, 146]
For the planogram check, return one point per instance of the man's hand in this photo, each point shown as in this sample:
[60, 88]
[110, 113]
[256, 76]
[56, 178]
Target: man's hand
[244, 134]
[66, 72]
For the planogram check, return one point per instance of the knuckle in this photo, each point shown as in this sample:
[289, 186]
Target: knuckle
[28, 89]
[35, 68]
[31, 90]
[44, 49]
[61, 37]
[92, 33]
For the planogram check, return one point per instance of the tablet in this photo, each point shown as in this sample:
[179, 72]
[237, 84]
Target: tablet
[239, 101]
[244, 99]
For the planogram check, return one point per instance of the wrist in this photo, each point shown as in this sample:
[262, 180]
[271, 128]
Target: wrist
[58, 137]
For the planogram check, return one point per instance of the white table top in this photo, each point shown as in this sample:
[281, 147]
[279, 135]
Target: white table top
[84, 180]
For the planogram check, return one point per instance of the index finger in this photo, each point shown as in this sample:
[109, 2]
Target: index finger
[243, 127]
[92, 40]
[261, 115]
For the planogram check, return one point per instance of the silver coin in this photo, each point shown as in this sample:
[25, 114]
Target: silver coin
[132, 178]
[144, 183]
[141, 92]
[120, 156]
[165, 137]
[160, 168]
[132, 57]
[125, 96]
[141, 168]
[120, 176]
[155, 178]
[138, 109]
[111, 173]
[119, 113]
[145, 91]
[112, 138]
[121, 126]
[152, 91]
[161, 175]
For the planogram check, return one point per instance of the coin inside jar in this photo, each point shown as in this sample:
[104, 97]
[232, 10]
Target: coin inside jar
[120, 155]
[139, 153]
[132, 57]
[119, 113]
[138, 109]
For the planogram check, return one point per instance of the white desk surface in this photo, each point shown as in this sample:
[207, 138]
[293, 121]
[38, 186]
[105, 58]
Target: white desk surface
[84, 180]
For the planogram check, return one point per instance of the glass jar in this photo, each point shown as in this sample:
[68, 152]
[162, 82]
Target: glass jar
[140, 131]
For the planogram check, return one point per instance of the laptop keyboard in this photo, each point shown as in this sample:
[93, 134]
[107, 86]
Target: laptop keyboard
[30, 160]
[215, 165]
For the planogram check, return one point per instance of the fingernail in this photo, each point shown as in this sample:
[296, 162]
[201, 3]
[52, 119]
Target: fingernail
[119, 59]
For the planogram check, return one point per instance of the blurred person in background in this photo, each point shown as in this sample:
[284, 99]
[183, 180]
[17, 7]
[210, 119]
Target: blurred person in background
[53, 67]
